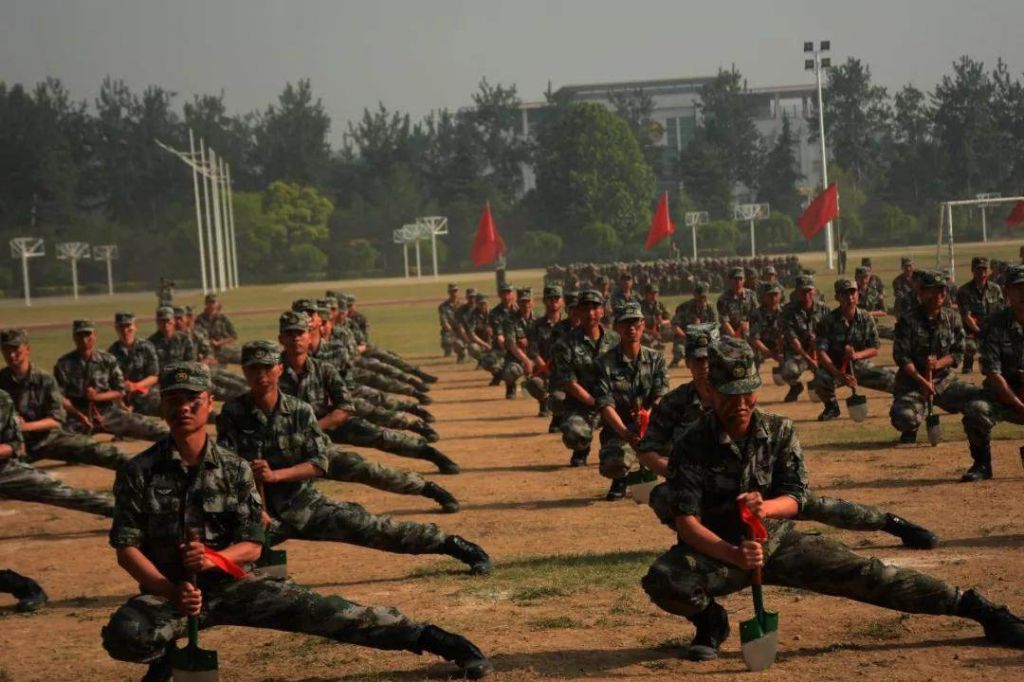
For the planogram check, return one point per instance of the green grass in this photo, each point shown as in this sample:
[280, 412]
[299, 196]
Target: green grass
[555, 623]
[886, 630]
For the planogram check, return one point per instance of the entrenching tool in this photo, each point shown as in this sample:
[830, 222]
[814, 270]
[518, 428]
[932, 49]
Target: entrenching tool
[856, 404]
[642, 481]
[932, 420]
[193, 664]
[272, 562]
[760, 634]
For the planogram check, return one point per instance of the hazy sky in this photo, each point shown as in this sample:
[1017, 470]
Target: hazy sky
[418, 55]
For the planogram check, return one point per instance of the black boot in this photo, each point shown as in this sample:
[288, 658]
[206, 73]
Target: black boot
[908, 437]
[468, 553]
[544, 410]
[831, 411]
[425, 430]
[432, 491]
[510, 391]
[159, 670]
[912, 535]
[422, 413]
[579, 458]
[1001, 626]
[29, 594]
[455, 648]
[794, 392]
[555, 425]
[712, 629]
[981, 470]
[495, 380]
[422, 398]
[440, 460]
[427, 378]
[617, 490]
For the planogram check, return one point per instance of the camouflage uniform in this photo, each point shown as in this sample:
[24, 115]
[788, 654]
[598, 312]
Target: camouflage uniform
[216, 327]
[801, 325]
[36, 397]
[687, 313]
[540, 337]
[655, 319]
[177, 347]
[980, 304]
[137, 363]
[515, 330]
[834, 334]
[156, 501]
[766, 327]
[902, 291]
[20, 480]
[736, 309]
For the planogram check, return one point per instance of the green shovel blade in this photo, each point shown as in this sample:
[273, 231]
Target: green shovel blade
[759, 636]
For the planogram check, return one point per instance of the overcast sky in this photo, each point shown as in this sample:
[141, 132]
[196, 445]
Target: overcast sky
[419, 55]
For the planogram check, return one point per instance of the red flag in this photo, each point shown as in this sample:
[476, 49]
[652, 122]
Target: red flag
[1016, 217]
[820, 212]
[661, 225]
[487, 245]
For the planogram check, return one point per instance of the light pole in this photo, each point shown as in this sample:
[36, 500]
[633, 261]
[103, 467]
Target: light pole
[816, 65]
[73, 251]
[693, 219]
[25, 248]
[108, 253]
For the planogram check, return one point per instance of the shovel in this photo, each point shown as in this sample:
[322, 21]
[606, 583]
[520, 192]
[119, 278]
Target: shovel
[932, 420]
[856, 404]
[193, 664]
[272, 562]
[759, 635]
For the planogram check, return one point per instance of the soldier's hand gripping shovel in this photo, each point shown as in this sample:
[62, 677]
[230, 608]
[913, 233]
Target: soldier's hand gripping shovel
[193, 664]
[932, 420]
[856, 404]
[272, 562]
[759, 635]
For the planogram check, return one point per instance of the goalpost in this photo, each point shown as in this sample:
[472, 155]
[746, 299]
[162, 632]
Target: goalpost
[946, 224]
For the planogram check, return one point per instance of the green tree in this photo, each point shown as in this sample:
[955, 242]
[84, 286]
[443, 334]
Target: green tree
[291, 138]
[705, 173]
[232, 137]
[497, 120]
[538, 248]
[912, 180]
[636, 108]
[299, 216]
[780, 174]
[728, 126]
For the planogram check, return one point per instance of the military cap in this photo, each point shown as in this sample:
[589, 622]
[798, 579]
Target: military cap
[552, 291]
[601, 281]
[590, 297]
[184, 376]
[979, 262]
[525, 294]
[212, 298]
[123, 319]
[452, 286]
[736, 273]
[1014, 274]
[931, 279]
[769, 288]
[165, 312]
[866, 261]
[844, 284]
[82, 327]
[626, 275]
[260, 353]
[342, 303]
[505, 287]
[332, 292]
[652, 289]
[768, 270]
[481, 296]
[188, 309]
[731, 367]
[470, 291]
[905, 261]
[350, 298]
[572, 299]
[303, 305]
[179, 311]
[861, 271]
[323, 307]
[805, 282]
[13, 337]
[331, 301]
[628, 311]
[292, 321]
[700, 288]
[699, 337]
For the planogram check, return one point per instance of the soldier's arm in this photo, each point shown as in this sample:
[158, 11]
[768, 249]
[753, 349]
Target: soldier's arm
[315, 451]
[341, 400]
[787, 492]
[128, 535]
[11, 441]
[151, 367]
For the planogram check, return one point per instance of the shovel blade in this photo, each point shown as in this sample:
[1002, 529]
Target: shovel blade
[273, 563]
[193, 664]
[934, 429]
[857, 407]
[195, 675]
[760, 640]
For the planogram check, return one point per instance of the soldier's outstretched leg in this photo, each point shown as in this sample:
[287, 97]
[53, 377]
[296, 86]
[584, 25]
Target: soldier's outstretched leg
[348, 466]
[876, 378]
[228, 355]
[383, 383]
[356, 431]
[374, 365]
[77, 449]
[24, 482]
[388, 402]
[395, 360]
[124, 424]
[839, 513]
[29, 594]
[146, 626]
[393, 420]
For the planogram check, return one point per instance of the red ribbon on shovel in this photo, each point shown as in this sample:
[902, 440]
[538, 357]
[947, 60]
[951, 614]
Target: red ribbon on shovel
[223, 563]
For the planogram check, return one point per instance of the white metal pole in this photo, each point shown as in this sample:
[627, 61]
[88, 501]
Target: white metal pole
[218, 228]
[24, 277]
[405, 257]
[222, 190]
[74, 277]
[949, 240]
[433, 251]
[695, 241]
[231, 221]
[199, 217]
[752, 253]
[419, 268]
[824, 161]
[209, 219]
[110, 275]
[984, 227]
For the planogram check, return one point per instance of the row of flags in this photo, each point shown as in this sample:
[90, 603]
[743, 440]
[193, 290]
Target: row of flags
[488, 244]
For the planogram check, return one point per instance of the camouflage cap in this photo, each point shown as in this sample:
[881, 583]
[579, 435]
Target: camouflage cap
[1014, 274]
[350, 298]
[589, 297]
[731, 367]
[627, 312]
[979, 262]
[552, 291]
[700, 288]
[804, 282]
[861, 271]
[505, 287]
[292, 321]
[179, 311]
[768, 270]
[342, 303]
[699, 337]
[470, 291]
[736, 273]
[123, 319]
[905, 261]
[572, 298]
[332, 292]
[625, 275]
[769, 288]
[601, 281]
[184, 376]
[331, 301]
[82, 327]
[525, 294]
[452, 287]
[324, 307]
[481, 296]
[866, 261]
[844, 284]
[931, 279]
[13, 337]
[260, 353]
[652, 288]
[188, 310]
[212, 298]
[164, 312]
[304, 305]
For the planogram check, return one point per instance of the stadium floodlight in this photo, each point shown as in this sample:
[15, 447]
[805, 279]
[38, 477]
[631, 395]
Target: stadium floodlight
[198, 165]
[816, 65]
[107, 253]
[433, 226]
[751, 213]
[25, 248]
[74, 252]
[985, 196]
[694, 219]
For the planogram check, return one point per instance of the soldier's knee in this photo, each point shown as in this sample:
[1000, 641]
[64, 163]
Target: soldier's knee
[512, 372]
[576, 433]
[904, 418]
[616, 460]
[667, 591]
[134, 639]
[535, 387]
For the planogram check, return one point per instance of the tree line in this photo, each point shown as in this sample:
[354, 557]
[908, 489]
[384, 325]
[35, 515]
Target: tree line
[90, 171]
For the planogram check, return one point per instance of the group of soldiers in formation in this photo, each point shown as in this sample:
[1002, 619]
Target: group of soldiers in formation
[594, 359]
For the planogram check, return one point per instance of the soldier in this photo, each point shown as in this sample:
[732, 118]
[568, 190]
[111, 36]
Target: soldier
[695, 311]
[515, 331]
[540, 337]
[766, 333]
[799, 321]
[604, 285]
[219, 330]
[219, 510]
[655, 317]
[902, 286]
[461, 328]
[929, 344]
[480, 333]
[496, 322]
[93, 388]
[847, 340]
[171, 345]
[843, 255]
[874, 281]
[165, 292]
[279, 434]
[139, 364]
[360, 320]
[625, 293]
[631, 379]
[1001, 356]
[736, 305]
[868, 299]
[976, 301]
[41, 412]
[736, 458]
[576, 373]
[446, 313]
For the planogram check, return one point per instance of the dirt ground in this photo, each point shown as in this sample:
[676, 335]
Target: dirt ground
[565, 600]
